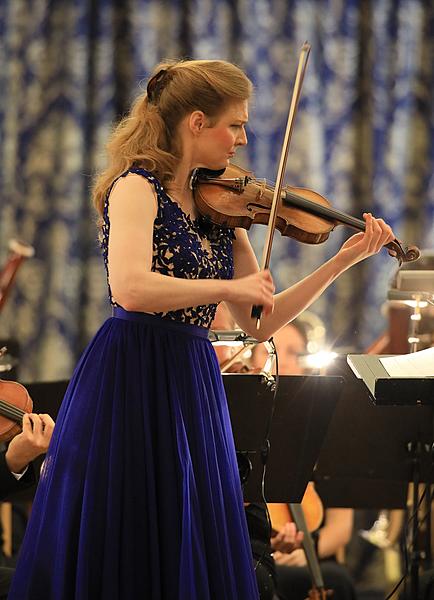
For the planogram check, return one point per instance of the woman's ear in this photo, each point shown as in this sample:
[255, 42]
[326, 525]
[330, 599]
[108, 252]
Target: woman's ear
[197, 122]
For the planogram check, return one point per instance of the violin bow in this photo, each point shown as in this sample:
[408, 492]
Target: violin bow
[266, 253]
[309, 550]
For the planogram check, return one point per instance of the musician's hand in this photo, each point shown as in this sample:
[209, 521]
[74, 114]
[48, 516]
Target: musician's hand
[238, 367]
[361, 245]
[288, 539]
[31, 442]
[254, 290]
[294, 559]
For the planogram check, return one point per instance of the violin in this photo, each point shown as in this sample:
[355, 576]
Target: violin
[233, 197]
[15, 402]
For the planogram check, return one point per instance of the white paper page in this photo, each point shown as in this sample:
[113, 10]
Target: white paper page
[417, 364]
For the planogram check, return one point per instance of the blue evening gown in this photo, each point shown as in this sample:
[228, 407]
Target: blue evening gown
[140, 497]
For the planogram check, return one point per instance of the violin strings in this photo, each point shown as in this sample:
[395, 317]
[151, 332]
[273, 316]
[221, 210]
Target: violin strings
[12, 415]
[10, 408]
[325, 210]
[11, 411]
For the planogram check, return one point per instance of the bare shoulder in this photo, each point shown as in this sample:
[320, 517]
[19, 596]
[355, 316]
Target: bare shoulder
[133, 193]
[132, 211]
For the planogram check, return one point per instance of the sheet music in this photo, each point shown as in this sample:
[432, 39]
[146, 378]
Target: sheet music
[417, 364]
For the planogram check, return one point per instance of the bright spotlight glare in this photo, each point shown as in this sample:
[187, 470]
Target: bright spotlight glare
[320, 360]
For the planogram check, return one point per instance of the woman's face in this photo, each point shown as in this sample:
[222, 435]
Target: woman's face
[216, 145]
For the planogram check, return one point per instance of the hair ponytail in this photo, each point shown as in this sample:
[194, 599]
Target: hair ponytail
[141, 139]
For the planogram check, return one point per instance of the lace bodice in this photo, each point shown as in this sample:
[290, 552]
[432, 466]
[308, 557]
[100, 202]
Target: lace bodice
[178, 250]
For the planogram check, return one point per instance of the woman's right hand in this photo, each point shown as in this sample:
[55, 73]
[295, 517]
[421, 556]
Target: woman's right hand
[255, 290]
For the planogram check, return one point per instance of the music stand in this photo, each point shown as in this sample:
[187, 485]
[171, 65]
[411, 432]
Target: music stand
[304, 407]
[383, 446]
[386, 390]
[368, 443]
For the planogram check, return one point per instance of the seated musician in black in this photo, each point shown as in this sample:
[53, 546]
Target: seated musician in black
[293, 577]
[288, 539]
[17, 471]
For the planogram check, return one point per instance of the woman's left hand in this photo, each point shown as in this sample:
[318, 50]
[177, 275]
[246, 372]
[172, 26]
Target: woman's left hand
[361, 245]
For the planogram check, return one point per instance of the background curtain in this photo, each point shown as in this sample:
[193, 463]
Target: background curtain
[364, 138]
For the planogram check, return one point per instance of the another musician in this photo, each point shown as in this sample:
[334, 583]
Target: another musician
[293, 578]
[16, 469]
[288, 539]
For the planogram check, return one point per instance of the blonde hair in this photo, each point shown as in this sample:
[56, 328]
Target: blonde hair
[147, 136]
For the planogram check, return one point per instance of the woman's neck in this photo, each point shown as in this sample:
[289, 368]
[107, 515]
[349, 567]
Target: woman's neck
[182, 176]
[179, 188]
[180, 183]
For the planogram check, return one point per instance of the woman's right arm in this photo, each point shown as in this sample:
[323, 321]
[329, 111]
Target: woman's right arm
[132, 211]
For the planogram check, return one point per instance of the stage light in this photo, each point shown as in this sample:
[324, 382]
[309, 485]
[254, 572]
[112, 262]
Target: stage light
[319, 360]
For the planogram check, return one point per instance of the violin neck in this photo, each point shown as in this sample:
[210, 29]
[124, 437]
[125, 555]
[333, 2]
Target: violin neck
[329, 214]
[396, 249]
[10, 411]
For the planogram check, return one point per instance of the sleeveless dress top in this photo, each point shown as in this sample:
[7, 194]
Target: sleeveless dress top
[179, 251]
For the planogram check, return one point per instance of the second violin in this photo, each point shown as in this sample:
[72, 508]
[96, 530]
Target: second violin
[15, 402]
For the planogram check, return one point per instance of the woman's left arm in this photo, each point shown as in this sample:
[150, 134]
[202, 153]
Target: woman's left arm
[295, 299]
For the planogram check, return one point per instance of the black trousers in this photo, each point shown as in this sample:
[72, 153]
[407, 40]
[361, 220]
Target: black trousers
[294, 583]
[6, 575]
[259, 533]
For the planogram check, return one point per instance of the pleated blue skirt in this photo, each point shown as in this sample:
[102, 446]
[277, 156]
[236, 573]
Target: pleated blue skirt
[140, 496]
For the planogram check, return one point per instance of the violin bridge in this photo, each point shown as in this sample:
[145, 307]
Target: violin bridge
[262, 187]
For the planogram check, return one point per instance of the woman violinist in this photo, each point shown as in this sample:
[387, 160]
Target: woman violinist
[140, 497]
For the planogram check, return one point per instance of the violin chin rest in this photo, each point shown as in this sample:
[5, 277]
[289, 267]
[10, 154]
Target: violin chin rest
[209, 173]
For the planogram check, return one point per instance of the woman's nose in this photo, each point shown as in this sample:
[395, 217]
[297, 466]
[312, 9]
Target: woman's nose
[242, 138]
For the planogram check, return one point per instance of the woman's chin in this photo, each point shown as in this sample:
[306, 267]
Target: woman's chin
[224, 163]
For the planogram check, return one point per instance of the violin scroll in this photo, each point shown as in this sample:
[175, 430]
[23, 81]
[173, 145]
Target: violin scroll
[402, 253]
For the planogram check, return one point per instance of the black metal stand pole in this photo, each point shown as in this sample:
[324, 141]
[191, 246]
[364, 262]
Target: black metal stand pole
[427, 560]
[415, 450]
